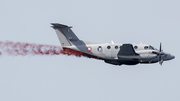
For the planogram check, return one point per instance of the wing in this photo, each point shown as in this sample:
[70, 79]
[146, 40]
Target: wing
[127, 50]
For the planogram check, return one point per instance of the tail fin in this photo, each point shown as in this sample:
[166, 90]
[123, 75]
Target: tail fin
[66, 35]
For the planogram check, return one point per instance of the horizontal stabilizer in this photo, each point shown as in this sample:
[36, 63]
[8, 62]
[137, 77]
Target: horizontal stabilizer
[57, 25]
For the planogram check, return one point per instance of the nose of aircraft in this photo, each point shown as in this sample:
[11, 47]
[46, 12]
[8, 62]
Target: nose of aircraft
[169, 57]
[172, 57]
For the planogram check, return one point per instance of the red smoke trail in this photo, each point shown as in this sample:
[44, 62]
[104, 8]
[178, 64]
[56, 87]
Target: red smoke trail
[23, 49]
[19, 48]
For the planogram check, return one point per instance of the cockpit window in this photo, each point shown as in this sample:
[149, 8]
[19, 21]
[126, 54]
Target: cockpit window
[152, 48]
[135, 47]
[146, 47]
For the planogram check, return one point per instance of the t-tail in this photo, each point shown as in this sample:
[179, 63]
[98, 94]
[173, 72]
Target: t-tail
[66, 35]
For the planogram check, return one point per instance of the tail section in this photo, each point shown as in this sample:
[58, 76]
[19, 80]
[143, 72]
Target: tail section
[66, 35]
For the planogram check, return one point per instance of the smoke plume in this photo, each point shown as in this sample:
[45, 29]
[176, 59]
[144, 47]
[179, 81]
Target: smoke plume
[23, 49]
[19, 48]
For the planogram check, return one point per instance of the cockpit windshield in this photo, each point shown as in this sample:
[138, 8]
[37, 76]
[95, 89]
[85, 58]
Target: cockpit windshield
[152, 48]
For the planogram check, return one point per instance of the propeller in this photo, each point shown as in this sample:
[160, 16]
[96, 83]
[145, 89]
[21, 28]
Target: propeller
[159, 54]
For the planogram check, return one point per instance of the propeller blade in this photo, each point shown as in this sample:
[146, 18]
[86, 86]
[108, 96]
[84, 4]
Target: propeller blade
[160, 62]
[160, 48]
[160, 54]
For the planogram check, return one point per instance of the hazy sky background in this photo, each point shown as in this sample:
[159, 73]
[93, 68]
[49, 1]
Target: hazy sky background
[68, 78]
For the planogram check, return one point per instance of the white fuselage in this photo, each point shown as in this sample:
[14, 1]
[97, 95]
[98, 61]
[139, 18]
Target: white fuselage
[110, 52]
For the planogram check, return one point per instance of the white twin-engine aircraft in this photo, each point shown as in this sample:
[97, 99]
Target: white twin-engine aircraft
[116, 54]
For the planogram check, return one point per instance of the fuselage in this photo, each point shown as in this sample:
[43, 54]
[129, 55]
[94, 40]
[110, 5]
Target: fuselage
[109, 53]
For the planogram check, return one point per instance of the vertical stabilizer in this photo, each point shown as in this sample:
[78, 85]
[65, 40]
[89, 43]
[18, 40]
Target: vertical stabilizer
[66, 35]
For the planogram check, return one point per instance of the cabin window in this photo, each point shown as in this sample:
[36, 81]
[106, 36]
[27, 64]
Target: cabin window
[146, 47]
[99, 49]
[135, 47]
[108, 47]
[116, 47]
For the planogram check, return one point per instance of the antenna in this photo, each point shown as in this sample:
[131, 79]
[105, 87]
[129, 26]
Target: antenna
[112, 42]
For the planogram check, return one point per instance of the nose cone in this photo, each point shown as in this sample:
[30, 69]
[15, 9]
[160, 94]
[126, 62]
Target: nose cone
[169, 57]
[172, 57]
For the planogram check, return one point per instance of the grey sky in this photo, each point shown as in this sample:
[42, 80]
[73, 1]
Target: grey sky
[67, 78]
